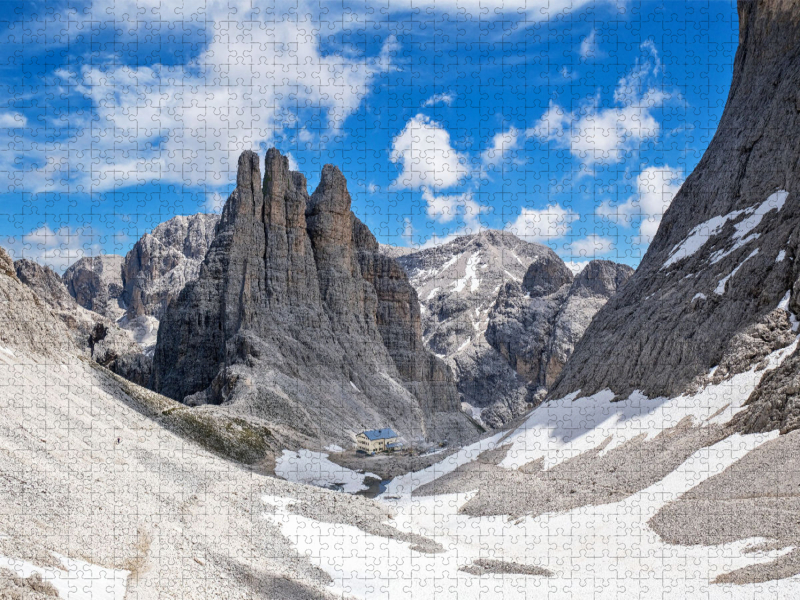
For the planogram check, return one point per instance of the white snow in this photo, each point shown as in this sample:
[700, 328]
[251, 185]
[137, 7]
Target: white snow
[354, 386]
[464, 345]
[562, 429]
[405, 484]
[432, 293]
[449, 263]
[334, 448]
[781, 256]
[314, 468]
[8, 351]
[701, 233]
[775, 201]
[699, 295]
[472, 411]
[739, 243]
[469, 275]
[784, 305]
[78, 580]
[619, 556]
[512, 276]
[720, 289]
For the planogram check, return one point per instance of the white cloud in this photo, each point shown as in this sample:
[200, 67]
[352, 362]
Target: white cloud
[591, 246]
[57, 249]
[447, 98]
[504, 147]
[589, 47]
[551, 223]
[427, 158]
[605, 135]
[139, 12]
[214, 202]
[655, 189]
[189, 123]
[11, 120]
[445, 209]
[408, 231]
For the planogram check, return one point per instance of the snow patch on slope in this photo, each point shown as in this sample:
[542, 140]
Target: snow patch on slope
[614, 539]
[314, 468]
[562, 429]
[77, 580]
[701, 233]
[720, 289]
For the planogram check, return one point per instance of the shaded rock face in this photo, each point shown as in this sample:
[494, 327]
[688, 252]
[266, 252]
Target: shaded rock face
[725, 253]
[161, 263]
[537, 333]
[96, 283]
[546, 275]
[296, 318]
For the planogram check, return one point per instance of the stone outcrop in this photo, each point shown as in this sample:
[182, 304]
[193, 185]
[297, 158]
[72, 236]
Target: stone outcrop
[96, 284]
[27, 324]
[96, 335]
[160, 264]
[297, 319]
[725, 255]
[536, 332]
[495, 307]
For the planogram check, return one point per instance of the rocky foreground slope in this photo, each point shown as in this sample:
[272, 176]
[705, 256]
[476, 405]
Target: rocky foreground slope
[297, 318]
[504, 314]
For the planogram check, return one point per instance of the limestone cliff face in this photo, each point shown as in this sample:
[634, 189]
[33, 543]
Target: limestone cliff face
[27, 324]
[502, 314]
[96, 283]
[725, 255]
[536, 326]
[290, 315]
[162, 262]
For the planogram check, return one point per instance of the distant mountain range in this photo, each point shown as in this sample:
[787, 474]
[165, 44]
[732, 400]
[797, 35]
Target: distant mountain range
[504, 314]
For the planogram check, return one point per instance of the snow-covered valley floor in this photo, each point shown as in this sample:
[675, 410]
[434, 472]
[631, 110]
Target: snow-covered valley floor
[584, 500]
[591, 549]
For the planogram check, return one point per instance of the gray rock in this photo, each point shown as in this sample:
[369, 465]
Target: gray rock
[545, 275]
[504, 314]
[725, 252]
[96, 283]
[100, 337]
[537, 332]
[160, 264]
[458, 285]
[27, 324]
[290, 315]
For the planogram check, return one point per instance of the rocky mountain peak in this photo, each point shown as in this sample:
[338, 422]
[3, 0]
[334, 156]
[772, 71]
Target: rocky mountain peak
[601, 278]
[160, 264]
[6, 264]
[546, 275]
[96, 283]
[501, 312]
[296, 318]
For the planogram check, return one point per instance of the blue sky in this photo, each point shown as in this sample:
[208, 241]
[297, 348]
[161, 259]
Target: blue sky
[569, 122]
